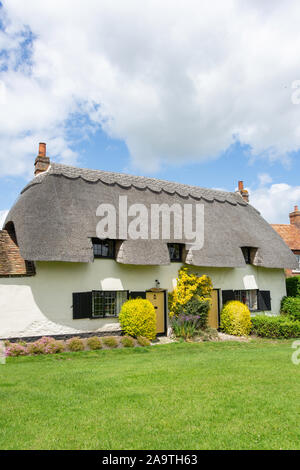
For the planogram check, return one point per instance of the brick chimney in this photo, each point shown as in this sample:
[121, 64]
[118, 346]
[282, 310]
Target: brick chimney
[243, 192]
[295, 217]
[42, 162]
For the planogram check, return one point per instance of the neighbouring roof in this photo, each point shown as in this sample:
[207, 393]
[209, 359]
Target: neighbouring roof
[55, 219]
[290, 234]
[11, 262]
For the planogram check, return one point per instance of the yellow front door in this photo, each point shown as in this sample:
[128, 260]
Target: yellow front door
[213, 314]
[158, 301]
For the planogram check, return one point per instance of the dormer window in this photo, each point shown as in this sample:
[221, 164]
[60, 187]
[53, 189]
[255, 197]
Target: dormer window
[248, 254]
[175, 252]
[103, 248]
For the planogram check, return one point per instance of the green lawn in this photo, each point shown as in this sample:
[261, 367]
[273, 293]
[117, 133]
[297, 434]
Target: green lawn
[176, 396]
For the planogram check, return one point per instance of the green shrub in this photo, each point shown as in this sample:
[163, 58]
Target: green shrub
[235, 318]
[293, 286]
[195, 309]
[275, 327]
[127, 342]
[75, 344]
[110, 342]
[94, 343]
[137, 318]
[142, 341]
[291, 306]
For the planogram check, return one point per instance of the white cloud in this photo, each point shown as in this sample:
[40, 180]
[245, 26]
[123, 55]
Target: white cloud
[264, 178]
[3, 215]
[276, 201]
[176, 80]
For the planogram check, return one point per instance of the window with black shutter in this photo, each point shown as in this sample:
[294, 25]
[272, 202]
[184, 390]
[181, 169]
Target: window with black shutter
[98, 304]
[264, 300]
[247, 297]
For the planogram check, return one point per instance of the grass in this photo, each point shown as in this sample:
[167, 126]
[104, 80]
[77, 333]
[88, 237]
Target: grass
[177, 396]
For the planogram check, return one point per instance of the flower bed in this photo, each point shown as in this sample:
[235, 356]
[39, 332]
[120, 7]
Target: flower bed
[48, 345]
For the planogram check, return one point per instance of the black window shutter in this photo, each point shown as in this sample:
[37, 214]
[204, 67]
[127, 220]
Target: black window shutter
[136, 294]
[227, 295]
[264, 300]
[82, 305]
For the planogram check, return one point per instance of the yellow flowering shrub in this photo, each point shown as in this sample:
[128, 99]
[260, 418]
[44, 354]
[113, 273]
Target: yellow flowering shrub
[189, 286]
[236, 319]
[137, 318]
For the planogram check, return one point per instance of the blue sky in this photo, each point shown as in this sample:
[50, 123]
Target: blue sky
[177, 93]
[101, 152]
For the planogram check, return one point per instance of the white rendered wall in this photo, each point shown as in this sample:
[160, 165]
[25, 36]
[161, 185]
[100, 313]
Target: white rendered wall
[41, 304]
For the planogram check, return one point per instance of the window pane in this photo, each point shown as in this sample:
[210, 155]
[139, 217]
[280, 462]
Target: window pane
[103, 248]
[108, 303]
[247, 297]
[121, 298]
[98, 304]
[174, 251]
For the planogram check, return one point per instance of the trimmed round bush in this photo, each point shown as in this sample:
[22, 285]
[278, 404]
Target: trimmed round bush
[94, 343]
[127, 342]
[142, 341]
[235, 318]
[137, 318]
[110, 341]
[55, 347]
[75, 344]
[291, 306]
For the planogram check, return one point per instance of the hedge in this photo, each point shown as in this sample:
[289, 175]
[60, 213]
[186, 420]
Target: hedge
[293, 286]
[291, 306]
[275, 327]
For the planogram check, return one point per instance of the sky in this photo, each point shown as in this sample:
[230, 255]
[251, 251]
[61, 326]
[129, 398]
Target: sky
[204, 93]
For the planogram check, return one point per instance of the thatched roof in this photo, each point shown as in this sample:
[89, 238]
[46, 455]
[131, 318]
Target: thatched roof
[55, 219]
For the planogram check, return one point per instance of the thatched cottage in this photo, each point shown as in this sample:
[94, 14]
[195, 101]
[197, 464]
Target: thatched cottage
[58, 277]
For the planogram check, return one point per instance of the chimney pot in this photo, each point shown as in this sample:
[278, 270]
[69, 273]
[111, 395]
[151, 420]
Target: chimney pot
[42, 149]
[296, 209]
[243, 192]
[42, 162]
